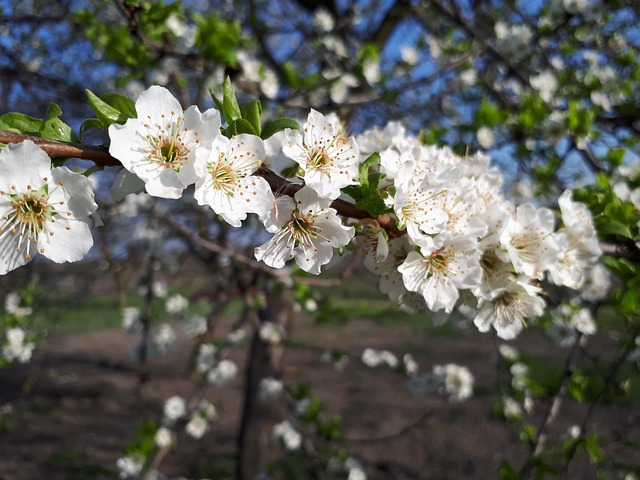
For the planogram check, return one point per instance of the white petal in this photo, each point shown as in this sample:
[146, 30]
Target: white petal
[78, 193]
[275, 252]
[23, 164]
[65, 240]
[156, 101]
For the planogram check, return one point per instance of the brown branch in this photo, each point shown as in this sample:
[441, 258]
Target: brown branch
[625, 249]
[55, 149]
[100, 156]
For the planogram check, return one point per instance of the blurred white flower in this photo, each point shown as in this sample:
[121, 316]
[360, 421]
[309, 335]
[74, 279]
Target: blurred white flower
[130, 466]
[176, 304]
[162, 339]
[174, 408]
[163, 437]
[485, 137]
[409, 54]
[271, 333]
[197, 426]
[285, 432]
[270, 389]
[222, 373]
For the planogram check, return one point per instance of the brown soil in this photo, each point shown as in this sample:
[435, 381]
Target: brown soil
[71, 411]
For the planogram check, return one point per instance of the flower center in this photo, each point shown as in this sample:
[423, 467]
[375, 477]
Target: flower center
[223, 176]
[170, 142]
[526, 245]
[318, 159]
[438, 262]
[26, 217]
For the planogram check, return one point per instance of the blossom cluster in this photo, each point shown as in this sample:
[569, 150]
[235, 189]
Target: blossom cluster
[466, 246]
[460, 244]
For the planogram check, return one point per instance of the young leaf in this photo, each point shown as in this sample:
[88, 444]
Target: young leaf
[272, 127]
[230, 108]
[54, 128]
[123, 104]
[251, 112]
[363, 169]
[20, 123]
[242, 126]
[107, 114]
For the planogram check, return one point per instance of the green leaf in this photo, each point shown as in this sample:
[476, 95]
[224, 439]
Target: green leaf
[230, 108]
[107, 114]
[123, 104]
[488, 115]
[363, 169]
[593, 449]
[89, 124]
[367, 198]
[217, 38]
[507, 472]
[272, 127]
[251, 112]
[243, 126]
[54, 128]
[20, 123]
[620, 267]
[218, 103]
[629, 302]
[608, 226]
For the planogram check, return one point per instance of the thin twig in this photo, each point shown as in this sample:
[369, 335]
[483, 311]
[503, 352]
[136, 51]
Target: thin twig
[552, 412]
[240, 257]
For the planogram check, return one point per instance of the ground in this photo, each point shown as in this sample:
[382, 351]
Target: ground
[71, 411]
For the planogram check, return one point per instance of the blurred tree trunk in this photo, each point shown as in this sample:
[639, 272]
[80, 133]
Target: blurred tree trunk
[256, 447]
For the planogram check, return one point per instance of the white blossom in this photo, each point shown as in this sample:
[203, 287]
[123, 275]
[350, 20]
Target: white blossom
[176, 304]
[306, 229]
[162, 338]
[485, 137]
[225, 179]
[373, 358]
[159, 145]
[458, 381]
[329, 159]
[270, 389]
[197, 426]
[130, 466]
[271, 333]
[163, 438]
[174, 408]
[285, 432]
[323, 20]
[509, 307]
[42, 210]
[222, 373]
[511, 408]
[409, 55]
[597, 283]
[206, 358]
[131, 319]
[16, 349]
[528, 240]
[440, 272]
[410, 365]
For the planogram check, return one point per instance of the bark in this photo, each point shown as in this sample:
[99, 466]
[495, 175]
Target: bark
[256, 447]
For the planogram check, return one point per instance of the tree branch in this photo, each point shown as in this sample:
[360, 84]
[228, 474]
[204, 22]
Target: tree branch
[101, 157]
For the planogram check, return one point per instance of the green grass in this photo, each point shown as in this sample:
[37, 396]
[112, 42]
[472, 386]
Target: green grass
[86, 315]
[78, 465]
